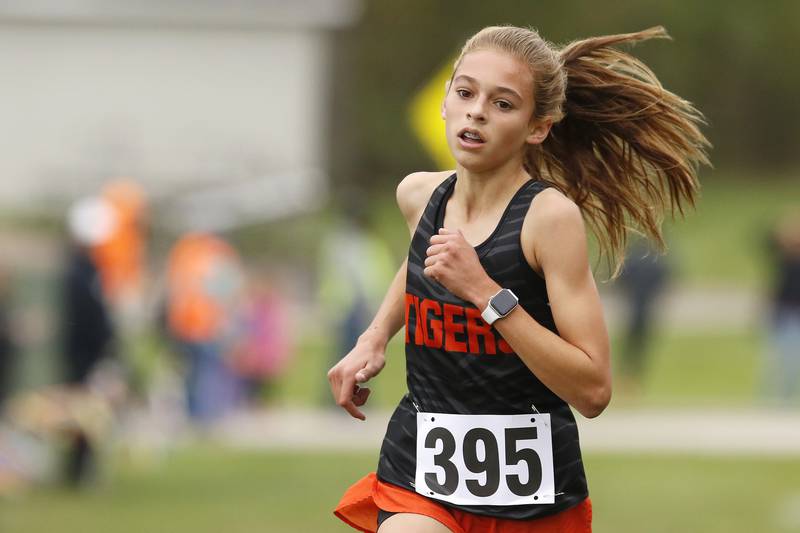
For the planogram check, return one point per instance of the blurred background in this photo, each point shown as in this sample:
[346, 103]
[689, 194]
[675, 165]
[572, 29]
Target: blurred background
[197, 219]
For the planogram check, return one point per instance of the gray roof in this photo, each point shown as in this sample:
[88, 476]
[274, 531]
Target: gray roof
[210, 14]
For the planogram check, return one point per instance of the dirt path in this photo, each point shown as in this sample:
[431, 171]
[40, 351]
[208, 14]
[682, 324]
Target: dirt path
[739, 432]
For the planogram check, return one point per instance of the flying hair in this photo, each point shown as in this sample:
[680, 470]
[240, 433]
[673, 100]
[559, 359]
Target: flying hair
[622, 147]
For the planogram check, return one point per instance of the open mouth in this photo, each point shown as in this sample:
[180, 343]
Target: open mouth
[471, 136]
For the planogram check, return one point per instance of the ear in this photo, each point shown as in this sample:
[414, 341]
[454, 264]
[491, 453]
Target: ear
[539, 131]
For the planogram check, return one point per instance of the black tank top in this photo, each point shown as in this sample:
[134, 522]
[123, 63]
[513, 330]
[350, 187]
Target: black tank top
[458, 364]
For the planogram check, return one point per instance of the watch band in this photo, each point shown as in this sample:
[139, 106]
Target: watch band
[489, 315]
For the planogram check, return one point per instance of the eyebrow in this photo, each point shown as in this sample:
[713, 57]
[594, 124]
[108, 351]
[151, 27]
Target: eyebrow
[499, 88]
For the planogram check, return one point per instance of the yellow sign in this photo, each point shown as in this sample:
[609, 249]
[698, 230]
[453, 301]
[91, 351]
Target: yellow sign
[426, 118]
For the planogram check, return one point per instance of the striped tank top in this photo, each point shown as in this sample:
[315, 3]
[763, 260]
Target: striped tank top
[458, 364]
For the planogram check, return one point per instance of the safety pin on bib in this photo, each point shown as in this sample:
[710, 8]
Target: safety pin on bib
[535, 410]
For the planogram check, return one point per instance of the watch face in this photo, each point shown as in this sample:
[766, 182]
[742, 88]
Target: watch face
[504, 302]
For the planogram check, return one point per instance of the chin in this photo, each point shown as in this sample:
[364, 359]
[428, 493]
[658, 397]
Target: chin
[474, 163]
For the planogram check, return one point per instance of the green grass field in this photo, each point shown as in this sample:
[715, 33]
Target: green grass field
[723, 240]
[207, 490]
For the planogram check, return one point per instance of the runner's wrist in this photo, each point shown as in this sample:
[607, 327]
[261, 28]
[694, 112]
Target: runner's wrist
[483, 293]
[374, 337]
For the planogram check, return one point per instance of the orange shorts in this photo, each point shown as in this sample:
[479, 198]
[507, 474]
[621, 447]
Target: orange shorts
[360, 504]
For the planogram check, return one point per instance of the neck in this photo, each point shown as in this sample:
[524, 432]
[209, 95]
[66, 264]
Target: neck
[477, 192]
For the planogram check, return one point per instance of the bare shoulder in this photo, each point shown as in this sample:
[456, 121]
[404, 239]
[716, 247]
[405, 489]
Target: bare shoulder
[553, 219]
[551, 207]
[413, 193]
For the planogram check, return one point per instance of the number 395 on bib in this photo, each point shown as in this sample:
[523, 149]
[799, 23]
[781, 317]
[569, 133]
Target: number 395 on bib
[485, 459]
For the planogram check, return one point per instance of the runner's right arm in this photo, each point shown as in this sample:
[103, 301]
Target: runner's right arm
[367, 357]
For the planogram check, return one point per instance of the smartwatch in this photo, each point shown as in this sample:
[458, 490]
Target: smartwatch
[500, 305]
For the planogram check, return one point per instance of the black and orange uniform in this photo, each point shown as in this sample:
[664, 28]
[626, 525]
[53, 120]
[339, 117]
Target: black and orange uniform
[456, 363]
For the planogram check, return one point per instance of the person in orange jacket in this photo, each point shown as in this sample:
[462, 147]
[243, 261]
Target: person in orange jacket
[204, 285]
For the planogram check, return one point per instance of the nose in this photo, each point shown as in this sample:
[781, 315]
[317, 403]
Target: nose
[476, 111]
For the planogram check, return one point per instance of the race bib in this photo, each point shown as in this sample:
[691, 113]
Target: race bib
[485, 459]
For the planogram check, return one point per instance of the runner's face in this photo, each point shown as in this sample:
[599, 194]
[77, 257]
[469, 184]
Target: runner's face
[488, 110]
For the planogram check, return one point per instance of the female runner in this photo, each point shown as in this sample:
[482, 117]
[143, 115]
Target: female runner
[504, 326]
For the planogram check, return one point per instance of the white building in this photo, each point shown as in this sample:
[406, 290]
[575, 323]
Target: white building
[226, 98]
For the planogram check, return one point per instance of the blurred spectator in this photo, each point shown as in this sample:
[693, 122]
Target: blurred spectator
[784, 345]
[643, 278]
[204, 285]
[87, 329]
[87, 333]
[55, 431]
[356, 266]
[265, 347]
[120, 257]
[7, 346]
